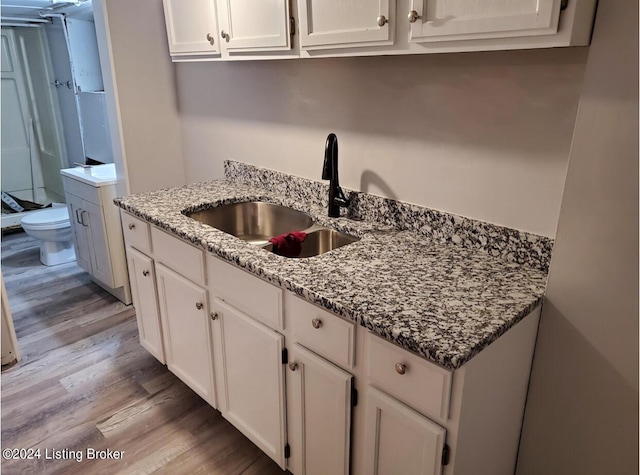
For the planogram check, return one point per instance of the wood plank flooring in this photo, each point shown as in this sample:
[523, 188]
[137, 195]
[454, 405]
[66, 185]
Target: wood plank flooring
[85, 382]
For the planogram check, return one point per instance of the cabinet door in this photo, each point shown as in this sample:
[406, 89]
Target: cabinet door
[399, 439]
[186, 332]
[446, 20]
[318, 414]
[145, 301]
[92, 217]
[247, 25]
[346, 24]
[80, 232]
[250, 378]
[192, 26]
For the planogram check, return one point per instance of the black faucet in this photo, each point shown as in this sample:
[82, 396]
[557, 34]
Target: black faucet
[330, 172]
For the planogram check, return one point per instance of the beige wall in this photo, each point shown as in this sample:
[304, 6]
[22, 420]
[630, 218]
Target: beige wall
[144, 120]
[582, 414]
[484, 135]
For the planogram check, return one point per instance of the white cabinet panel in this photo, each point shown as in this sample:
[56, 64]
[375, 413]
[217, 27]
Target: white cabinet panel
[92, 218]
[318, 414]
[443, 20]
[345, 24]
[400, 440]
[247, 25]
[192, 26]
[80, 232]
[250, 378]
[186, 332]
[143, 289]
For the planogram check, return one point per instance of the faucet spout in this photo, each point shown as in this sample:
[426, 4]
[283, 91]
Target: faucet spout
[330, 172]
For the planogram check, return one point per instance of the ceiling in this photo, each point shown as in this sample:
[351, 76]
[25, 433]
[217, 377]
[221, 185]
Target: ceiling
[24, 11]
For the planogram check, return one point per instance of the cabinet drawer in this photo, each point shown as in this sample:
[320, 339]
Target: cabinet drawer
[136, 232]
[178, 255]
[424, 386]
[81, 190]
[246, 292]
[321, 331]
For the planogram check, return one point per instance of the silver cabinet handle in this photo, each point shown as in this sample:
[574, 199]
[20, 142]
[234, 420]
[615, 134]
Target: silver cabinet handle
[145, 273]
[293, 366]
[225, 36]
[78, 217]
[210, 39]
[316, 322]
[199, 305]
[413, 16]
[382, 20]
[401, 368]
[132, 226]
[82, 218]
[214, 315]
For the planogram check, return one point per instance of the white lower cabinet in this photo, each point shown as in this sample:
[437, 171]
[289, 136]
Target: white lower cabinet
[399, 439]
[145, 301]
[319, 400]
[185, 320]
[413, 416]
[250, 378]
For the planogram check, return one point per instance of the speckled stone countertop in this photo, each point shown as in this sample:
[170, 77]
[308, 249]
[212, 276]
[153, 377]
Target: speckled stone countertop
[439, 299]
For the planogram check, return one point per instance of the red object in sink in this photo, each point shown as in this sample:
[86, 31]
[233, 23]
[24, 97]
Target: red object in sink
[289, 244]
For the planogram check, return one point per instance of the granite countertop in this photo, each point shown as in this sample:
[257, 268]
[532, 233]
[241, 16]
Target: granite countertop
[441, 300]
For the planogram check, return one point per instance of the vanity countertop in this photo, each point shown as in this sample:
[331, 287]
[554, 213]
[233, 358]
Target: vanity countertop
[441, 300]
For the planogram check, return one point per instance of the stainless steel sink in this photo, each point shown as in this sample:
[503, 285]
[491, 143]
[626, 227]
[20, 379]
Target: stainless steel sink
[325, 240]
[321, 240]
[255, 222]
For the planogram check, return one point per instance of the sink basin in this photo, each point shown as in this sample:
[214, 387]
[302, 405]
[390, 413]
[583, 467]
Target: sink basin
[255, 222]
[322, 240]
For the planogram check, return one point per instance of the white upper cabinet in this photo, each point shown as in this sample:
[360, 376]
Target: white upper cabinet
[250, 26]
[192, 27]
[329, 24]
[444, 20]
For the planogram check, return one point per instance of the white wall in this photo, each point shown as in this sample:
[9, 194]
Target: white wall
[484, 135]
[144, 122]
[582, 413]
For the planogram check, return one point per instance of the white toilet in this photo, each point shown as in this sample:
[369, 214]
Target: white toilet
[52, 228]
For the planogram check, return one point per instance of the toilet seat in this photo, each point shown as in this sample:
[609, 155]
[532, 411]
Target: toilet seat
[54, 218]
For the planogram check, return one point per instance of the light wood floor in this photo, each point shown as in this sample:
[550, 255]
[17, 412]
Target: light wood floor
[85, 382]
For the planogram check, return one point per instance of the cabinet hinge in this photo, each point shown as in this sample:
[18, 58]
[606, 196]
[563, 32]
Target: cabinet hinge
[287, 451]
[354, 397]
[285, 356]
[564, 4]
[445, 455]
[292, 26]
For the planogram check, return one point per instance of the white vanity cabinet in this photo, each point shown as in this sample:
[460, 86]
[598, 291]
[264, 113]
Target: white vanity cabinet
[249, 356]
[172, 306]
[316, 392]
[320, 388]
[192, 28]
[95, 221]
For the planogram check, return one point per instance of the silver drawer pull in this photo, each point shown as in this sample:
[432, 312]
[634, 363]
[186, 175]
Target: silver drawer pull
[145, 273]
[293, 366]
[382, 20]
[413, 16]
[199, 305]
[316, 322]
[131, 225]
[401, 368]
[214, 315]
